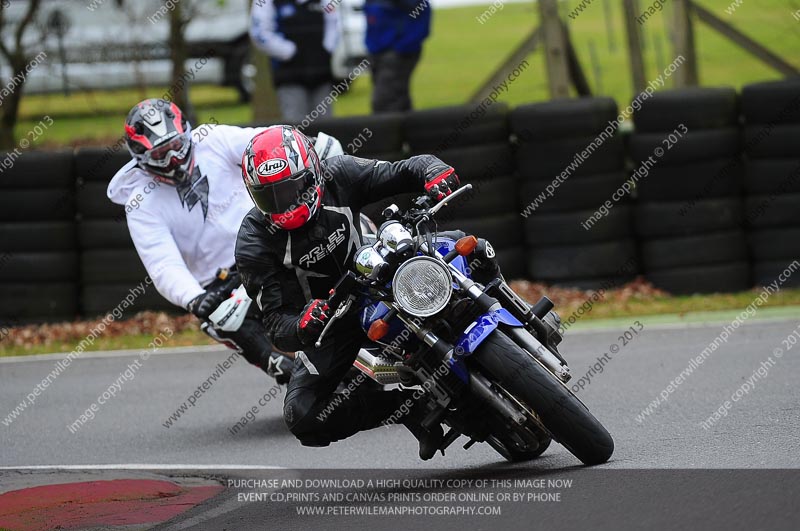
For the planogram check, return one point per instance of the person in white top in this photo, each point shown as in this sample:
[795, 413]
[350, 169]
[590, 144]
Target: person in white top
[184, 200]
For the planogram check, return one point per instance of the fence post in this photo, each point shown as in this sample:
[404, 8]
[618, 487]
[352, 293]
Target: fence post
[555, 49]
[683, 33]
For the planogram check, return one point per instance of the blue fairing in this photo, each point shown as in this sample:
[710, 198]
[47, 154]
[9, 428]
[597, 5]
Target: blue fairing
[483, 326]
[444, 246]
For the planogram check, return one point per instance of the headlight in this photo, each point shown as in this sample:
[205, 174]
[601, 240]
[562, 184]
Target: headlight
[422, 286]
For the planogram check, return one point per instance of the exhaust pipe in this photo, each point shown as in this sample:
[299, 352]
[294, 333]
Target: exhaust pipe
[377, 367]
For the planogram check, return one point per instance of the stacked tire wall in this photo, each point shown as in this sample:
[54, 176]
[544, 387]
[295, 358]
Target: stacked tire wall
[719, 210]
[475, 141]
[771, 142]
[570, 160]
[690, 210]
[38, 246]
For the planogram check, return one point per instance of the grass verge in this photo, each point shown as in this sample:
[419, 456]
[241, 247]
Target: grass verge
[637, 299]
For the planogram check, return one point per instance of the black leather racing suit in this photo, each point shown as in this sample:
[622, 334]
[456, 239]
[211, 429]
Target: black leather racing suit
[282, 270]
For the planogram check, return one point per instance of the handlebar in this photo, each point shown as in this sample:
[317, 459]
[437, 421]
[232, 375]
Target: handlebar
[436, 208]
[341, 296]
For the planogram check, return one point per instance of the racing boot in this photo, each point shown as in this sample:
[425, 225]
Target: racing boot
[430, 440]
[277, 365]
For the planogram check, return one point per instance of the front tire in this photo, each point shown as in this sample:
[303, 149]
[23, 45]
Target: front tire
[562, 414]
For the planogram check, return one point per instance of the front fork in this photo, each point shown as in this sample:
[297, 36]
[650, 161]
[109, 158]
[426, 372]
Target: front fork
[452, 356]
[496, 315]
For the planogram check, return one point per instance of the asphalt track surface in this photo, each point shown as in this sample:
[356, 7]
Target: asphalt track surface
[761, 430]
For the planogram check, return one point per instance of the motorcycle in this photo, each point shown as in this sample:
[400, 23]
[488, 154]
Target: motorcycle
[484, 362]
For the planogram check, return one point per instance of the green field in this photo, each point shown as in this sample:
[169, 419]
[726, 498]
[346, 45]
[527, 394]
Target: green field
[462, 52]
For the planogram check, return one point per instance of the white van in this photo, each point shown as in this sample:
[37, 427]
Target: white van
[116, 44]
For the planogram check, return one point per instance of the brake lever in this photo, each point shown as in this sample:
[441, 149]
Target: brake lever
[340, 311]
[441, 204]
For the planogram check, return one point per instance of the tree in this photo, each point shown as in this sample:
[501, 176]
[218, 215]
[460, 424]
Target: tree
[179, 18]
[18, 59]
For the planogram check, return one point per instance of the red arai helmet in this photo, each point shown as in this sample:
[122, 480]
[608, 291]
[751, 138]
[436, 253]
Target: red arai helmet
[159, 138]
[282, 173]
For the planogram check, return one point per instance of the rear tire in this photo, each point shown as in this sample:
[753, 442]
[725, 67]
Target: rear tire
[566, 418]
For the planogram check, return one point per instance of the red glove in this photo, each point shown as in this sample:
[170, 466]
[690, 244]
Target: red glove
[440, 181]
[312, 321]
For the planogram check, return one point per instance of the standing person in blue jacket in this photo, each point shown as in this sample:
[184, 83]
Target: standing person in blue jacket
[300, 37]
[396, 30]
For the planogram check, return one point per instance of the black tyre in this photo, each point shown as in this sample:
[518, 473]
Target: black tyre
[595, 284]
[435, 130]
[580, 261]
[773, 101]
[363, 134]
[761, 142]
[716, 248]
[58, 266]
[696, 108]
[35, 170]
[99, 299]
[41, 236]
[567, 228]
[680, 218]
[719, 278]
[492, 196]
[101, 266]
[502, 231]
[480, 162]
[698, 180]
[93, 202]
[512, 262]
[772, 211]
[51, 301]
[768, 176]
[547, 160]
[49, 204]
[696, 145]
[566, 418]
[104, 234]
[775, 244]
[572, 194]
[765, 273]
[562, 118]
[101, 164]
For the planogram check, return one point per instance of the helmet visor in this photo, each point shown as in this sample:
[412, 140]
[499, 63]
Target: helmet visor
[170, 154]
[286, 194]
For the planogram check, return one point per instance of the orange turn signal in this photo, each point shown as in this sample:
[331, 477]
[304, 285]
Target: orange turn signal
[466, 245]
[377, 330]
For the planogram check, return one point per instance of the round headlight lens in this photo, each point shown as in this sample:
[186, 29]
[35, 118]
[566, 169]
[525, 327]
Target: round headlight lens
[422, 286]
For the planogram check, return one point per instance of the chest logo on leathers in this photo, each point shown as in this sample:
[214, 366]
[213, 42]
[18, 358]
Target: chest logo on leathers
[322, 250]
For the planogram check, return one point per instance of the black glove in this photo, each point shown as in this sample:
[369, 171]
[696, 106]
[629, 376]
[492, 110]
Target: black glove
[204, 304]
[440, 181]
[312, 321]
